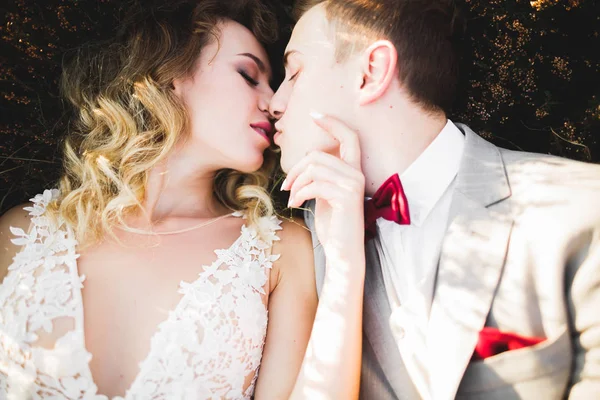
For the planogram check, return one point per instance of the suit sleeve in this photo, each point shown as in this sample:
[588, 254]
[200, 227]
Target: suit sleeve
[319, 254]
[583, 300]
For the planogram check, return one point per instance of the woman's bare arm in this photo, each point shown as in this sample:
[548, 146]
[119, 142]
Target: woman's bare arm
[292, 307]
[331, 365]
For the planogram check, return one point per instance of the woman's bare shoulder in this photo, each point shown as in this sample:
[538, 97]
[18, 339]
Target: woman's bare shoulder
[296, 259]
[294, 236]
[16, 217]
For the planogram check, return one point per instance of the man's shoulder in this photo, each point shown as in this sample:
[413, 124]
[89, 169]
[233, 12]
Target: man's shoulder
[550, 162]
[543, 170]
[546, 186]
[309, 219]
[309, 214]
[318, 252]
[538, 184]
[516, 157]
[525, 168]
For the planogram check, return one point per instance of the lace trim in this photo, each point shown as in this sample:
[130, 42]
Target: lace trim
[208, 347]
[219, 326]
[38, 290]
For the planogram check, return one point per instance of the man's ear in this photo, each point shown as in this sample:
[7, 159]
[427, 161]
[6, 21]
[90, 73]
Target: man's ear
[379, 62]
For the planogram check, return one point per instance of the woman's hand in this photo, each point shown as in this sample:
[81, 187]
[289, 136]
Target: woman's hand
[338, 186]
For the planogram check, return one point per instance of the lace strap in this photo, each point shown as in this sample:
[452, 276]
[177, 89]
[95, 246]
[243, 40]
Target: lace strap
[268, 229]
[251, 255]
[41, 224]
[264, 234]
[47, 265]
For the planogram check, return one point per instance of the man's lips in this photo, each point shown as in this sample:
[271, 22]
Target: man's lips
[264, 129]
[277, 134]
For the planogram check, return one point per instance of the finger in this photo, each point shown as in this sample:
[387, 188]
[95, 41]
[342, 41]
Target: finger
[333, 195]
[318, 190]
[348, 138]
[318, 157]
[332, 162]
[321, 173]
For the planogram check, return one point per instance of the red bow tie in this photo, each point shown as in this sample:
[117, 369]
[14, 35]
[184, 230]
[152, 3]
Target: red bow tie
[389, 202]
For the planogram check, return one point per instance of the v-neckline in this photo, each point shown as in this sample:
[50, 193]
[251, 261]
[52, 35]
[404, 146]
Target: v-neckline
[80, 321]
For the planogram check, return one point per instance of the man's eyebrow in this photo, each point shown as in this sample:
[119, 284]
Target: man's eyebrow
[287, 55]
[261, 65]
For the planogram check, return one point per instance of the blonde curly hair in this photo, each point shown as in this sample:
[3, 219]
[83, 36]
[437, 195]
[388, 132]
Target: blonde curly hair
[127, 118]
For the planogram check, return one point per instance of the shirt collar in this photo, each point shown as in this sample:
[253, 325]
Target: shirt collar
[427, 178]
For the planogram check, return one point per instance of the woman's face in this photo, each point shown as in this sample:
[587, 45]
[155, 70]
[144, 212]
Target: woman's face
[227, 98]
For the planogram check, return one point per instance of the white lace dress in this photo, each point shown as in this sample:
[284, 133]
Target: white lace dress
[207, 348]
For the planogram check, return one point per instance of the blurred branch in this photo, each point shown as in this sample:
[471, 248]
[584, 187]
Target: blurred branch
[10, 169]
[10, 157]
[27, 159]
[585, 148]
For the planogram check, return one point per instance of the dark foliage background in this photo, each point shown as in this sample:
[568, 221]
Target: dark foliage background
[531, 80]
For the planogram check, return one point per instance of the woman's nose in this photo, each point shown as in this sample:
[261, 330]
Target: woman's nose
[277, 105]
[265, 101]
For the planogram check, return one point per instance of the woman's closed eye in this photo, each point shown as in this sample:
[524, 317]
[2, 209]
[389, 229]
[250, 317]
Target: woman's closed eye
[251, 81]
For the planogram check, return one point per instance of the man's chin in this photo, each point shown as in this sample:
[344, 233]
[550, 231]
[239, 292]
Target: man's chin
[286, 166]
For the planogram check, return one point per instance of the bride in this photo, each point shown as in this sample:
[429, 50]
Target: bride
[112, 285]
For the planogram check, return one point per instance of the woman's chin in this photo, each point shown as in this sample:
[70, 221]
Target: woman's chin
[251, 165]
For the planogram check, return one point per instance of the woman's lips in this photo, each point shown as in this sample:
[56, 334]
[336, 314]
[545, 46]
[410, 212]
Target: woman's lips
[276, 137]
[264, 129]
[262, 133]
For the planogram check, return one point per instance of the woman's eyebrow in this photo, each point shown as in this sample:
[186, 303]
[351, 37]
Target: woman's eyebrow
[261, 65]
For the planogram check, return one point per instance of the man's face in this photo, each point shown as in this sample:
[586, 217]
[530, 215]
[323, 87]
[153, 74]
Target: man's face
[314, 82]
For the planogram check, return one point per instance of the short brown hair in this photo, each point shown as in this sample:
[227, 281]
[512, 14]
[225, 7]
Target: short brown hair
[426, 34]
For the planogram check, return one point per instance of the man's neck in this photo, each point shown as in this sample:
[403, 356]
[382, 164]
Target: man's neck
[393, 137]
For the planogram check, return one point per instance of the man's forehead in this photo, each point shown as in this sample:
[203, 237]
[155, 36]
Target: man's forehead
[311, 30]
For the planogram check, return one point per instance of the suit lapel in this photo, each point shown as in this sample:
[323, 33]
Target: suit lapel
[376, 315]
[471, 262]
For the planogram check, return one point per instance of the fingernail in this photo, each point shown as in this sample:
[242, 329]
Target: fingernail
[290, 201]
[316, 115]
[283, 185]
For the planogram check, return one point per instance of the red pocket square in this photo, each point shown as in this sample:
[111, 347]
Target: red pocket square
[493, 341]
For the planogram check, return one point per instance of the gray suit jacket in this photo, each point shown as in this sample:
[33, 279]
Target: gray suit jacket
[521, 254]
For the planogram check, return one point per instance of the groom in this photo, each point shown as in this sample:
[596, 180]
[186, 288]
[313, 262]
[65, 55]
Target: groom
[483, 264]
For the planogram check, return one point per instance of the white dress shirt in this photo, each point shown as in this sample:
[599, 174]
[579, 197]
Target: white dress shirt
[411, 252]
